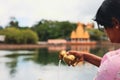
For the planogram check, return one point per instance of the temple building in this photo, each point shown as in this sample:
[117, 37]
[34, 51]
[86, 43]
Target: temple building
[81, 34]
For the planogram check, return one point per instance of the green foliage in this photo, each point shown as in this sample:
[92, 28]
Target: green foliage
[12, 35]
[97, 35]
[44, 30]
[47, 29]
[53, 29]
[13, 23]
[17, 36]
[29, 37]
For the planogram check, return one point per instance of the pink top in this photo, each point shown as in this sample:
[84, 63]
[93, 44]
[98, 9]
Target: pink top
[110, 66]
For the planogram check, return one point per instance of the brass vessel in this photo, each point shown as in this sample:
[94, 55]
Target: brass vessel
[67, 58]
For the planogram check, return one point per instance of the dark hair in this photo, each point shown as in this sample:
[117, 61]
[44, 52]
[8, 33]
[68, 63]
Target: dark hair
[108, 10]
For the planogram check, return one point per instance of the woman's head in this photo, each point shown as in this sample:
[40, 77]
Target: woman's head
[108, 10]
[108, 15]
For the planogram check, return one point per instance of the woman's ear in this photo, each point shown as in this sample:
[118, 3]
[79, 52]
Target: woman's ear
[115, 22]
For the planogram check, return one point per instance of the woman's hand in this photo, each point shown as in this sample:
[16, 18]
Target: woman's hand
[74, 57]
[85, 56]
[79, 56]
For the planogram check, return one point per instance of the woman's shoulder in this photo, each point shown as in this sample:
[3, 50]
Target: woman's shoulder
[109, 55]
[113, 53]
[109, 68]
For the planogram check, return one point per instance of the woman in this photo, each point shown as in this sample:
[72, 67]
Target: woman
[108, 16]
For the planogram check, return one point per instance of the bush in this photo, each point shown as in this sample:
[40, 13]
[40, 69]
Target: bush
[17, 36]
[29, 37]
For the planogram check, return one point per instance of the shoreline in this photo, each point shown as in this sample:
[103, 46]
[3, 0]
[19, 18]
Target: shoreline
[20, 46]
[44, 45]
[33, 46]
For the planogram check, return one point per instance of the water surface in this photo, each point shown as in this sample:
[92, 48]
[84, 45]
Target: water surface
[42, 64]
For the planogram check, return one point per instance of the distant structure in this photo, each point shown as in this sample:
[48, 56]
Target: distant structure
[56, 41]
[2, 38]
[78, 36]
[81, 34]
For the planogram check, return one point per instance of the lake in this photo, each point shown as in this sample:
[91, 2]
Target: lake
[43, 63]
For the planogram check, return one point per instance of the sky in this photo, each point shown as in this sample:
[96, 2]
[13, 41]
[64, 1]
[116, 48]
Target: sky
[29, 12]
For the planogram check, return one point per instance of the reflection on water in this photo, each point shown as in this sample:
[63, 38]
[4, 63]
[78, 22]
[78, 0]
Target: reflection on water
[85, 48]
[42, 64]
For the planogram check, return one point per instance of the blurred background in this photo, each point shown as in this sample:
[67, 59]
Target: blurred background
[33, 32]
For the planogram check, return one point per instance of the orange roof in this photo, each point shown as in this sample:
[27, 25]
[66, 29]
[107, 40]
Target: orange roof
[86, 34]
[80, 32]
[73, 34]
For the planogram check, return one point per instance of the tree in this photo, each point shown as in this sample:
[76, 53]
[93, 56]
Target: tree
[97, 35]
[47, 29]
[13, 23]
[18, 36]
